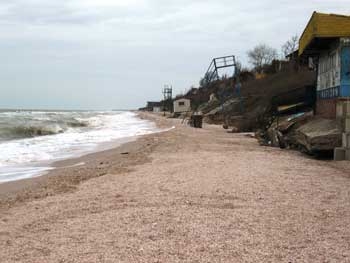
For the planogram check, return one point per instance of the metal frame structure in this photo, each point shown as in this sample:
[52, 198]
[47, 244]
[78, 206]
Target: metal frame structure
[212, 74]
[219, 63]
[168, 92]
[167, 95]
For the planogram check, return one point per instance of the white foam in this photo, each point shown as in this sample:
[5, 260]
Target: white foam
[25, 158]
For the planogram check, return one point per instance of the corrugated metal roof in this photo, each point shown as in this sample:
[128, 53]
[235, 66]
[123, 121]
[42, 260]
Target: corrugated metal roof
[324, 26]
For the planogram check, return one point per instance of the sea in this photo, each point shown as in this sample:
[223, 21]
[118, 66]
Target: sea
[31, 140]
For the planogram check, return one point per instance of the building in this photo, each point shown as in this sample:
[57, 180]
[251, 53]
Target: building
[154, 106]
[182, 105]
[157, 109]
[325, 42]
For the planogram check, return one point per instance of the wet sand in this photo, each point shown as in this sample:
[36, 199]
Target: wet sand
[185, 195]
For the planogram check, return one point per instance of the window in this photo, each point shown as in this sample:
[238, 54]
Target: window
[181, 103]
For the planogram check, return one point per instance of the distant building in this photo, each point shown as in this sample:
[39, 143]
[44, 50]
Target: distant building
[325, 42]
[157, 109]
[154, 106]
[182, 105]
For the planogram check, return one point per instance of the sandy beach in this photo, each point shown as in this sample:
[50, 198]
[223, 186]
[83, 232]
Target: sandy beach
[185, 195]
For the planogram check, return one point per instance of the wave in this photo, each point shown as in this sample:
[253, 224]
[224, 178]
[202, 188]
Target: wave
[35, 128]
[30, 131]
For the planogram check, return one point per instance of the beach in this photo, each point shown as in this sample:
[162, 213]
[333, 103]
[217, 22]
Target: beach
[184, 195]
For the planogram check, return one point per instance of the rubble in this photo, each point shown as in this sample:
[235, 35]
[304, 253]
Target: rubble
[218, 114]
[319, 135]
[302, 131]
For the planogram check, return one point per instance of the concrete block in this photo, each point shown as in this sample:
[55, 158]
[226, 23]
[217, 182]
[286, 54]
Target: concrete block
[346, 108]
[347, 154]
[339, 154]
[339, 110]
[346, 125]
[346, 140]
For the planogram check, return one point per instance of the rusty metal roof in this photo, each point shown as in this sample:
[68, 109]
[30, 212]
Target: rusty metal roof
[324, 26]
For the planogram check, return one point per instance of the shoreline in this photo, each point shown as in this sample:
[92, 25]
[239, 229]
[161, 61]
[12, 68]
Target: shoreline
[47, 184]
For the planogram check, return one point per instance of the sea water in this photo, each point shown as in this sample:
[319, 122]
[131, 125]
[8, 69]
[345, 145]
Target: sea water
[31, 140]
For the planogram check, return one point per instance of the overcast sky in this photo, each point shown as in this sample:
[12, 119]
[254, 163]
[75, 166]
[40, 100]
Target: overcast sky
[110, 54]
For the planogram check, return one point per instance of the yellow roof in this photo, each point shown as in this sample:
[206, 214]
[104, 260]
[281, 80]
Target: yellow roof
[324, 26]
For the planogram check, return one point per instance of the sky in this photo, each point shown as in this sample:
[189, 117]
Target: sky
[118, 54]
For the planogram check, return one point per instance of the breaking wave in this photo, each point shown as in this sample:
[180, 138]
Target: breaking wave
[27, 132]
[30, 129]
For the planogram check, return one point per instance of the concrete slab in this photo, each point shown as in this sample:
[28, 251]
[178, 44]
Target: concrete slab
[339, 154]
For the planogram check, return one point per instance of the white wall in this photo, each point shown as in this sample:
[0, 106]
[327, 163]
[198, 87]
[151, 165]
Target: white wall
[156, 109]
[182, 105]
[329, 69]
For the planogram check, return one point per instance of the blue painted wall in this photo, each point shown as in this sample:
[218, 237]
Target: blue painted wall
[345, 72]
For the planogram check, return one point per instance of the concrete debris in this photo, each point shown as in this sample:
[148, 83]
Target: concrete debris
[319, 135]
[302, 131]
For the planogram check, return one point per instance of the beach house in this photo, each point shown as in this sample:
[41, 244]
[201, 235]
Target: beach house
[182, 105]
[325, 42]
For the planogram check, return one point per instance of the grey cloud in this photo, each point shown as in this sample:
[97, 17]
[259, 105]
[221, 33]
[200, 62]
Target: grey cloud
[99, 54]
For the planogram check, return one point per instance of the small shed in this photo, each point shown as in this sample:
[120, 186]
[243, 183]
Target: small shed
[182, 105]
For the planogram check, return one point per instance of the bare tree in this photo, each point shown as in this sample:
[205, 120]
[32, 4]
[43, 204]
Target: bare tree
[290, 46]
[261, 55]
